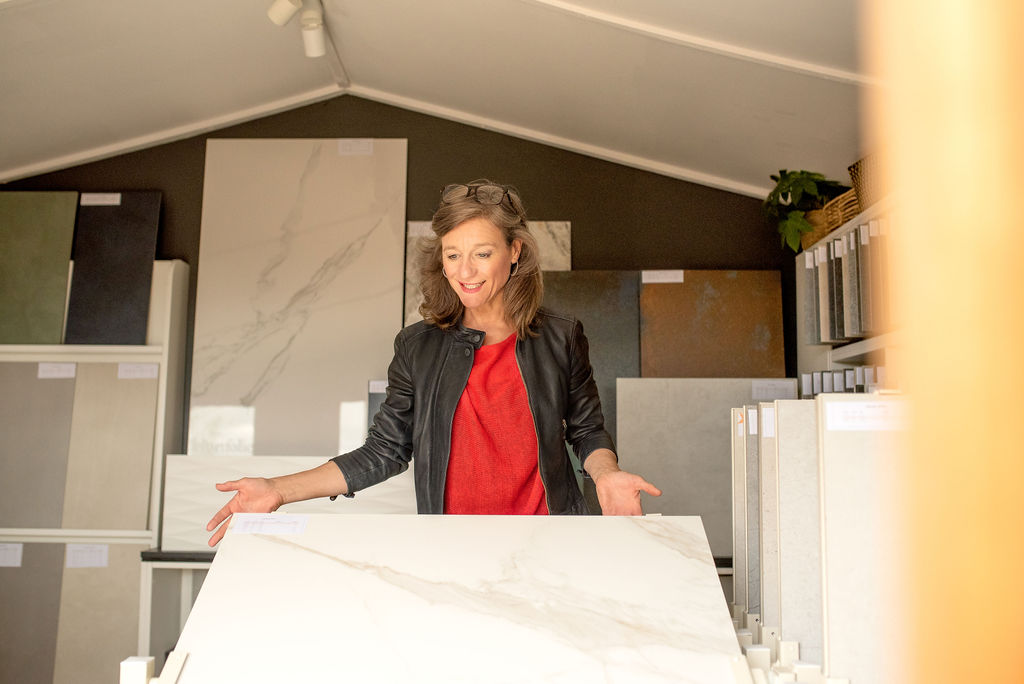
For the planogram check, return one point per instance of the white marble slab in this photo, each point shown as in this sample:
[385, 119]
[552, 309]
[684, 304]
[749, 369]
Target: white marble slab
[463, 599]
[863, 478]
[675, 432]
[299, 291]
[554, 242]
[190, 498]
[799, 526]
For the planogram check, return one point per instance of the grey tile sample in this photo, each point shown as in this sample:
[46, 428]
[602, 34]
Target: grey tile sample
[35, 431]
[607, 304]
[112, 432]
[675, 432]
[299, 293]
[36, 229]
[99, 617]
[29, 608]
[115, 245]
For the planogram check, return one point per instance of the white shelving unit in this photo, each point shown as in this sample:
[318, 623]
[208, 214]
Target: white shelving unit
[165, 346]
[881, 349]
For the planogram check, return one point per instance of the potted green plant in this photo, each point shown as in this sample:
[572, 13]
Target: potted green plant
[795, 203]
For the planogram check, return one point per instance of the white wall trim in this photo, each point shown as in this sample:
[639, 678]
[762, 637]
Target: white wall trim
[708, 45]
[171, 134]
[670, 170]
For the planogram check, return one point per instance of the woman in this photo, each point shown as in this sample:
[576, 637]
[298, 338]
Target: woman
[484, 392]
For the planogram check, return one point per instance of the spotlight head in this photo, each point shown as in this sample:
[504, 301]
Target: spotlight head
[313, 33]
[282, 11]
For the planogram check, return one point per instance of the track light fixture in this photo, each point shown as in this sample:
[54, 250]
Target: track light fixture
[312, 21]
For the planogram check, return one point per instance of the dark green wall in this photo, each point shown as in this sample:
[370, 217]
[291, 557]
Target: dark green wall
[622, 218]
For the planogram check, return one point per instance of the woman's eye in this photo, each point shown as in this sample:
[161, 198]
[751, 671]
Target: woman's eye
[484, 255]
[451, 257]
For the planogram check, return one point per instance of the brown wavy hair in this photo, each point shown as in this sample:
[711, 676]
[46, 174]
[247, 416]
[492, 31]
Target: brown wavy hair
[524, 291]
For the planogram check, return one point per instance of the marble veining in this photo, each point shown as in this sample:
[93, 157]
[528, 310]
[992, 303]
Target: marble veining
[299, 287]
[467, 598]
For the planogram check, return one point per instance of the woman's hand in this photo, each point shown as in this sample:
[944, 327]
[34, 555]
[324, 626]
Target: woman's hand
[618, 492]
[252, 495]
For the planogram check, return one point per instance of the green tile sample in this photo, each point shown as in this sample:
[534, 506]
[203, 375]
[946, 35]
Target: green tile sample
[36, 230]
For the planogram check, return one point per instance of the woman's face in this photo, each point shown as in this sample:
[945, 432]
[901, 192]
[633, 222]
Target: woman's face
[477, 261]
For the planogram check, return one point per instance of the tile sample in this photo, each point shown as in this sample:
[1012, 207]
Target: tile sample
[675, 432]
[35, 430]
[99, 617]
[30, 597]
[768, 517]
[112, 432]
[115, 244]
[753, 482]
[554, 242]
[799, 526]
[739, 506]
[299, 293]
[36, 229]
[862, 496]
[190, 498]
[607, 303]
[464, 599]
[712, 324]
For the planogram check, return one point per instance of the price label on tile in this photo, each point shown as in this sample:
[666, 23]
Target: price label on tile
[268, 523]
[137, 371]
[866, 416]
[52, 371]
[87, 556]
[739, 423]
[752, 421]
[355, 147]
[10, 555]
[661, 276]
[100, 199]
[768, 421]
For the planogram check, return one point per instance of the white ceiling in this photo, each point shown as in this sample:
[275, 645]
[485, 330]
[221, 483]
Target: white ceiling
[722, 93]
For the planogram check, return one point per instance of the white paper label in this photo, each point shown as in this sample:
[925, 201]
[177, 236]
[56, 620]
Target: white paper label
[873, 227]
[821, 255]
[10, 555]
[806, 388]
[100, 199]
[768, 421]
[838, 382]
[865, 416]
[661, 276]
[50, 371]
[863, 235]
[355, 147]
[739, 423]
[87, 556]
[826, 381]
[816, 380]
[766, 390]
[858, 375]
[808, 260]
[381, 386]
[752, 421]
[137, 371]
[268, 523]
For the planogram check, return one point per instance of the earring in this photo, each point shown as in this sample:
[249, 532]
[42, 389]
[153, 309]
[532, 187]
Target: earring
[515, 269]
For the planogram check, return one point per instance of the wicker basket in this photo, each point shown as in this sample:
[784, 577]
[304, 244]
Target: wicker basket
[867, 183]
[841, 209]
[820, 229]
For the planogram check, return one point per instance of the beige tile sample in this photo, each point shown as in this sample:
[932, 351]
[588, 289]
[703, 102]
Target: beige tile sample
[111, 454]
[768, 515]
[99, 617]
[739, 505]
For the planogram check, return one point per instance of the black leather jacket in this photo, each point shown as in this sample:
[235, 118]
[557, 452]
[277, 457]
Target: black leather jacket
[425, 381]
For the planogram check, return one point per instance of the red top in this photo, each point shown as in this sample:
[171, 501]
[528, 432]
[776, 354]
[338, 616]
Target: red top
[492, 468]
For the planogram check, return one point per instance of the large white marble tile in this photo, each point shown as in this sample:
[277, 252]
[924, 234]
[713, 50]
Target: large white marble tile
[462, 599]
[299, 290]
[799, 525]
[190, 498]
[554, 242]
[865, 628]
[675, 432]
